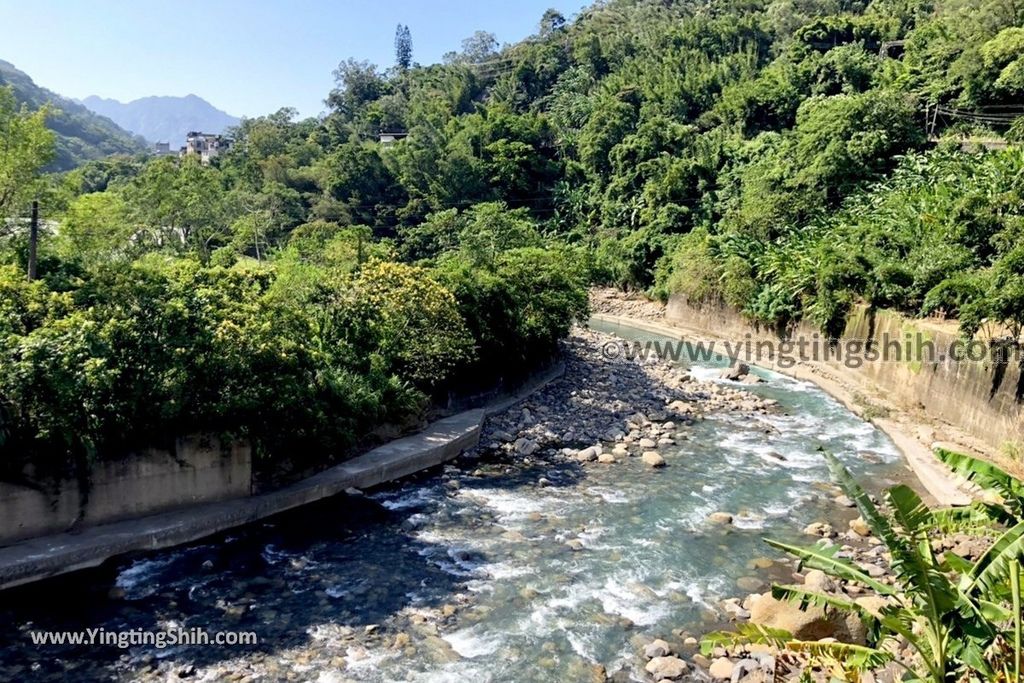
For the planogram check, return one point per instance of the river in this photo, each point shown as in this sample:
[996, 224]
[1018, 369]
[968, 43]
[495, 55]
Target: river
[464, 573]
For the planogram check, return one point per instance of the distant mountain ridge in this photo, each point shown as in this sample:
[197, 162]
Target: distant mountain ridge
[81, 133]
[163, 118]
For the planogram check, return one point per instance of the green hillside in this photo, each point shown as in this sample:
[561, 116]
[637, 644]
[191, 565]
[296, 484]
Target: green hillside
[788, 158]
[81, 134]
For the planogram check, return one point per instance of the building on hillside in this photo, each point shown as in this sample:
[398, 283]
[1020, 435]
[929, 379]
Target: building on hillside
[390, 137]
[205, 145]
[163, 149]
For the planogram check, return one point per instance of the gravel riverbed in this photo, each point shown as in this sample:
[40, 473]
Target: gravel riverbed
[615, 513]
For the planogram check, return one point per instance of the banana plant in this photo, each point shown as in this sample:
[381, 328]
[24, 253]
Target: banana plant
[989, 478]
[961, 620]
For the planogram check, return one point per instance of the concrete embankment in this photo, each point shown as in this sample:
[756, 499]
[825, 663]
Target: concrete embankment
[37, 558]
[969, 407]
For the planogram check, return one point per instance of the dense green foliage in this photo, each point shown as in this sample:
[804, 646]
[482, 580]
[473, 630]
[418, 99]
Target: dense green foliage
[81, 135]
[773, 153]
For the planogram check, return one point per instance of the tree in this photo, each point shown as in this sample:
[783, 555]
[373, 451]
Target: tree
[550, 22]
[356, 85]
[492, 228]
[479, 47]
[25, 147]
[403, 47]
[95, 228]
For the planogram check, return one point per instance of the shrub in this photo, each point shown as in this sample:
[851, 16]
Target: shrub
[518, 309]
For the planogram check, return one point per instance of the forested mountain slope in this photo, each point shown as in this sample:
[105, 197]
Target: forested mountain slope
[778, 155]
[81, 134]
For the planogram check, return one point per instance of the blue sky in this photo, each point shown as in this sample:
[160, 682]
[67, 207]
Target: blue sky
[246, 57]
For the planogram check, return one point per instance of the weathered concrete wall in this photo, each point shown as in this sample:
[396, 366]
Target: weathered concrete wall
[201, 470]
[48, 555]
[982, 398]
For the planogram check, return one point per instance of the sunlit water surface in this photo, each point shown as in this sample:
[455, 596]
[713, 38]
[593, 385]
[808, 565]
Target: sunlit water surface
[528, 608]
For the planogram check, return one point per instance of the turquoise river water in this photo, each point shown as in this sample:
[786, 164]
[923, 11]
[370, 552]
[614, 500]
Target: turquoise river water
[426, 581]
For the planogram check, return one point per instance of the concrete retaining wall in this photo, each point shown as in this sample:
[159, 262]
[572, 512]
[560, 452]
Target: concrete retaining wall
[37, 558]
[984, 399]
[200, 470]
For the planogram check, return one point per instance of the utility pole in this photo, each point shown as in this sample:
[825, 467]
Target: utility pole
[33, 240]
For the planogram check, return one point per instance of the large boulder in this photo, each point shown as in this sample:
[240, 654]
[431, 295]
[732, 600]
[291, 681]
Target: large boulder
[814, 623]
[657, 648]
[666, 668]
[653, 459]
[720, 518]
[819, 582]
[736, 371]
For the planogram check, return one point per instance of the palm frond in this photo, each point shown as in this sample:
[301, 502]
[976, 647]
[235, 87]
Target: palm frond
[856, 657]
[745, 634]
[879, 525]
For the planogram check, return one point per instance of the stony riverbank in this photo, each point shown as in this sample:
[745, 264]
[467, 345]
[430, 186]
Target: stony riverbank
[606, 412]
[596, 515]
[609, 408]
[676, 656]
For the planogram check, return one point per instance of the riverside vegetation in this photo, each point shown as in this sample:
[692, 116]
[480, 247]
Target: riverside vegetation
[770, 153]
[945, 607]
[314, 282]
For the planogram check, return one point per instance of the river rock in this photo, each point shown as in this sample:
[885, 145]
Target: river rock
[606, 459]
[969, 547]
[653, 459]
[873, 570]
[721, 668]
[524, 446]
[749, 583]
[813, 623]
[735, 610]
[845, 501]
[860, 527]
[820, 529]
[872, 604]
[735, 371]
[657, 648]
[681, 408]
[819, 582]
[720, 518]
[588, 454]
[666, 668]
[648, 443]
